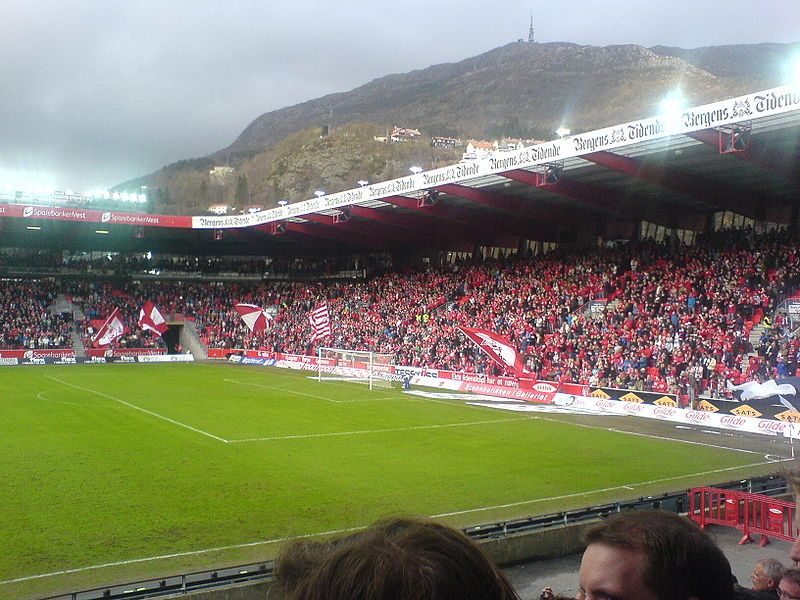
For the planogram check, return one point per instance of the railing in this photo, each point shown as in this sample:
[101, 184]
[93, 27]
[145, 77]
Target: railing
[752, 514]
[265, 571]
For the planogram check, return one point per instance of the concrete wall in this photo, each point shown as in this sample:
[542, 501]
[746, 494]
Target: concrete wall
[244, 591]
[549, 543]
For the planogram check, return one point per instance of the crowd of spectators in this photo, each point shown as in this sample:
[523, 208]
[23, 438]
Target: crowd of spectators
[676, 319]
[27, 320]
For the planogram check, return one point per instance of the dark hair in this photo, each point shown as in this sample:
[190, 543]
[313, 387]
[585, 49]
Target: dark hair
[395, 559]
[792, 575]
[681, 560]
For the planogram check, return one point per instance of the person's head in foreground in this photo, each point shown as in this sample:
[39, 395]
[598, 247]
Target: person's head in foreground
[394, 559]
[766, 574]
[789, 586]
[652, 555]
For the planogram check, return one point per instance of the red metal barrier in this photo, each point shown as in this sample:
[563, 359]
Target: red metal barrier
[752, 514]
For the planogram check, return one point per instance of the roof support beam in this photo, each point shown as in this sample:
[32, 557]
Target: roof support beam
[611, 202]
[444, 236]
[493, 233]
[757, 153]
[714, 193]
[527, 215]
[379, 231]
[337, 235]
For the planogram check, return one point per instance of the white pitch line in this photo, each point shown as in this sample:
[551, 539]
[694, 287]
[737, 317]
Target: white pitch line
[277, 389]
[180, 554]
[351, 529]
[608, 489]
[649, 435]
[144, 410]
[367, 431]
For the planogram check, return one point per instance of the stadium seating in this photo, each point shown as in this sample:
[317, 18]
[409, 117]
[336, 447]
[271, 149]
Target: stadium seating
[677, 319]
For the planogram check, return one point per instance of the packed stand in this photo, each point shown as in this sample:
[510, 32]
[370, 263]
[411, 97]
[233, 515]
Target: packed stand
[27, 320]
[677, 319]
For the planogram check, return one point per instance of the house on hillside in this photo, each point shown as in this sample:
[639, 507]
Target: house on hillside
[219, 209]
[219, 173]
[445, 142]
[511, 144]
[477, 149]
[404, 134]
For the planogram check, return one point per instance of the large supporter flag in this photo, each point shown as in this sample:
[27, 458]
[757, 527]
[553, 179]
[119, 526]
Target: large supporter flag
[320, 322]
[497, 347]
[112, 329]
[151, 319]
[255, 317]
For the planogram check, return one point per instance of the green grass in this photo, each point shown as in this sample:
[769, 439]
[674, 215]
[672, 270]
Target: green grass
[106, 464]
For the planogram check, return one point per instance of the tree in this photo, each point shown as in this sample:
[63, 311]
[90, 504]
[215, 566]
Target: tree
[242, 194]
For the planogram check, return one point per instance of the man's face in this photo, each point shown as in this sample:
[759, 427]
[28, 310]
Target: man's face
[613, 573]
[760, 580]
[788, 590]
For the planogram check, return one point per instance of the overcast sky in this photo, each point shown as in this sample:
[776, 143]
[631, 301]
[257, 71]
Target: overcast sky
[96, 92]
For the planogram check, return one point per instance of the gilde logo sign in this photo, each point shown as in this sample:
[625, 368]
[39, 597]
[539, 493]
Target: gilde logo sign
[698, 416]
[27, 211]
[732, 421]
[775, 426]
[105, 217]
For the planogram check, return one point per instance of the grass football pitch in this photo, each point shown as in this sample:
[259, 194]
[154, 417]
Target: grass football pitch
[123, 472]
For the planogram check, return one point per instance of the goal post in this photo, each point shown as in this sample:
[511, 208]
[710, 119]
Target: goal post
[357, 366]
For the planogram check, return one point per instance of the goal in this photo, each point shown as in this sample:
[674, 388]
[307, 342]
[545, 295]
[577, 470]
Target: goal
[358, 366]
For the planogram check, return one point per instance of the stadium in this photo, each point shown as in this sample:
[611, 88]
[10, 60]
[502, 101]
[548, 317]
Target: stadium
[484, 343]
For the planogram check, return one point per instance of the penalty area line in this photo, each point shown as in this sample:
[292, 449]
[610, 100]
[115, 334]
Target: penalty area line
[277, 389]
[304, 436]
[628, 486]
[139, 408]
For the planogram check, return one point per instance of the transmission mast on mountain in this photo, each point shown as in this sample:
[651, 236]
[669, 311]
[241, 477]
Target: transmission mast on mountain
[531, 37]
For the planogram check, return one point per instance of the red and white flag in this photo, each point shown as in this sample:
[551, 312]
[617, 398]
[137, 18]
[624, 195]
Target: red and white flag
[255, 317]
[112, 329]
[497, 347]
[151, 319]
[320, 322]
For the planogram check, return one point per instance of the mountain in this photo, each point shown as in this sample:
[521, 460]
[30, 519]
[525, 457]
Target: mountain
[520, 90]
[536, 85]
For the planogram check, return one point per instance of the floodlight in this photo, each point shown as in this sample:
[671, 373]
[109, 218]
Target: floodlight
[416, 170]
[673, 103]
[102, 232]
[362, 182]
[562, 132]
[793, 71]
[319, 193]
[283, 202]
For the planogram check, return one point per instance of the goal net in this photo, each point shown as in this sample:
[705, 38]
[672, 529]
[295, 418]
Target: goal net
[358, 366]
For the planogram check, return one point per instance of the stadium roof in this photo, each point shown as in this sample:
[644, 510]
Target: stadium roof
[740, 155]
